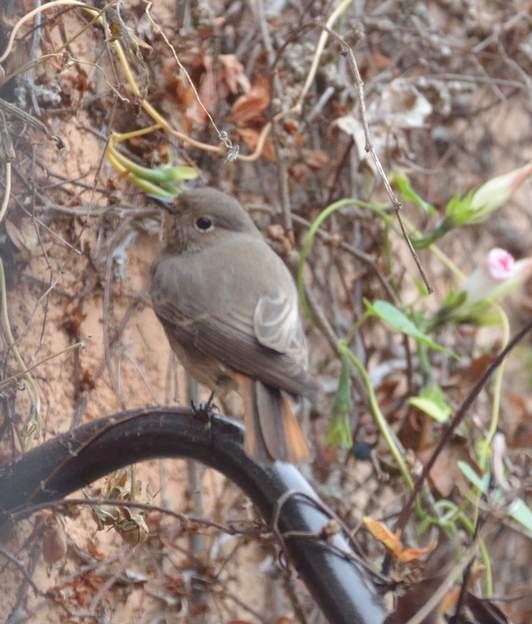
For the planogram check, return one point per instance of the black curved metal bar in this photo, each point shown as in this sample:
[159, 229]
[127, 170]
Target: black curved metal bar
[341, 587]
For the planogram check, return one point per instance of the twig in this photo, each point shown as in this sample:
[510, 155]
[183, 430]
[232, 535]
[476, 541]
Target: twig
[299, 612]
[27, 16]
[33, 388]
[297, 107]
[111, 502]
[78, 345]
[322, 535]
[111, 247]
[84, 398]
[7, 154]
[396, 204]
[232, 151]
[34, 556]
[32, 121]
[368, 260]
[449, 580]
[105, 587]
[20, 566]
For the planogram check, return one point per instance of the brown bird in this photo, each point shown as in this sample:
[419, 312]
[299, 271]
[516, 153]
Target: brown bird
[229, 307]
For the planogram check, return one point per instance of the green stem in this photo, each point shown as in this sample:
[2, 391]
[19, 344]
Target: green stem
[469, 526]
[378, 415]
[438, 232]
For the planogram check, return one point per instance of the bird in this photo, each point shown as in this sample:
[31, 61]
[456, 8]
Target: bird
[229, 307]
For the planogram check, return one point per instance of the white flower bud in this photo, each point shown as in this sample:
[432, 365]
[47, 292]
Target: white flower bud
[496, 192]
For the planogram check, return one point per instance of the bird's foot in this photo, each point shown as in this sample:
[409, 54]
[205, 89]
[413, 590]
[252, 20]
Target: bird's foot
[205, 408]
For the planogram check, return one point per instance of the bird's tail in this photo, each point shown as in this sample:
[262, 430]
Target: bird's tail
[272, 430]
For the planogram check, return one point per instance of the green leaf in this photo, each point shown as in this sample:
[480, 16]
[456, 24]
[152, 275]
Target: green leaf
[178, 173]
[339, 433]
[432, 402]
[397, 320]
[518, 509]
[150, 188]
[470, 474]
[521, 513]
[459, 209]
[403, 184]
[454, 298]
[163, 181]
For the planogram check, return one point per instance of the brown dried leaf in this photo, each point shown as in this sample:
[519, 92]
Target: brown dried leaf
[315, 159]
[392, 541]
[298, 171]
[54, 546]
[249, 107]
[445, 473]
[477, 367]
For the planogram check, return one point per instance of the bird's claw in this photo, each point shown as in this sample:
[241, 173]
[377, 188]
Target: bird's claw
[204, 408]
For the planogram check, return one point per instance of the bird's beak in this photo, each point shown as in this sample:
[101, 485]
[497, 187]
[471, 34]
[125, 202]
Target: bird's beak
[166, 204]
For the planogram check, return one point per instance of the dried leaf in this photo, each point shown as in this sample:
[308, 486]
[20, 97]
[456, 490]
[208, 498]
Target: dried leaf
[249, 107]
[478, 367]
[392, 541]
[400, 107]
[129, 522]
[445, 473]
[315, 159]
[54, 546]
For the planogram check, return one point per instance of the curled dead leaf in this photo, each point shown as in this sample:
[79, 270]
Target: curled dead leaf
[392, 541]
[250, 106]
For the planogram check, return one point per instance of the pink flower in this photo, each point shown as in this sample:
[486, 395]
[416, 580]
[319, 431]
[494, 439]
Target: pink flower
[498, 275]
[499, 264]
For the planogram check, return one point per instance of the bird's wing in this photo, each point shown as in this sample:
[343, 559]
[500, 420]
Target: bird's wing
[208, 304]
[277, 325]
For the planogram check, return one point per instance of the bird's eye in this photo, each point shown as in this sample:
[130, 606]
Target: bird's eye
[203, 224]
